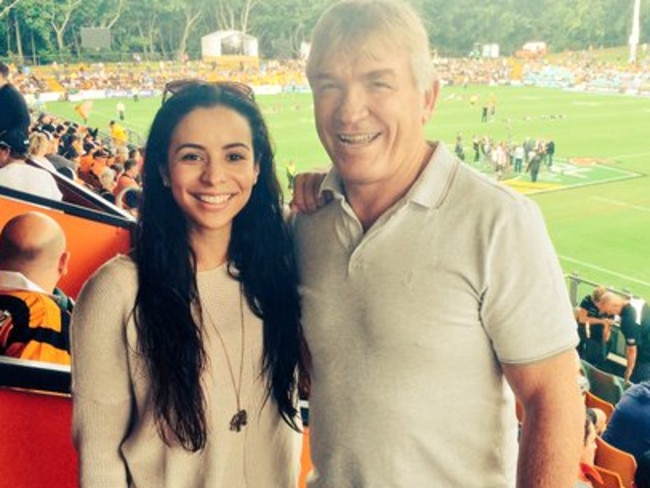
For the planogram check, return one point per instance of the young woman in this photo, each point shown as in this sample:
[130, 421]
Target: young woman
[185, 354]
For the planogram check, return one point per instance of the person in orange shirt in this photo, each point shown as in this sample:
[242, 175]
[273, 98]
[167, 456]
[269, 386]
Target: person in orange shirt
[129, 177]
[34, 314]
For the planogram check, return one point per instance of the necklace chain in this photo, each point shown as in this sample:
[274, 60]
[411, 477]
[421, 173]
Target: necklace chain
[240, 419]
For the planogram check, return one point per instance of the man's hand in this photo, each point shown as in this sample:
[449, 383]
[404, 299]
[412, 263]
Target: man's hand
[307, 197]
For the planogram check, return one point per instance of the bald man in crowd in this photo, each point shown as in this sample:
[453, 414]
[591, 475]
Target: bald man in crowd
[34, 315]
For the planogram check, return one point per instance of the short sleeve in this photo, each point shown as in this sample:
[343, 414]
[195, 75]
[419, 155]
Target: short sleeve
[526, 308]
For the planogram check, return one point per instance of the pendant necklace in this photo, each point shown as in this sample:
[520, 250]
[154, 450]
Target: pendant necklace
[240, 419]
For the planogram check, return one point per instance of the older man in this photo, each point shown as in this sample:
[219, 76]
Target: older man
[418, 290]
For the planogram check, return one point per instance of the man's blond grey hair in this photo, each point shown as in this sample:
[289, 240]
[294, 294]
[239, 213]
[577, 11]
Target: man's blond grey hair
[350, 25]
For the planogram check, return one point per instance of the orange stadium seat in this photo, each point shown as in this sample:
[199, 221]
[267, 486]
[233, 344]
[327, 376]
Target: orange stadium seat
[593, 401]
[613, 459]
[610, 479]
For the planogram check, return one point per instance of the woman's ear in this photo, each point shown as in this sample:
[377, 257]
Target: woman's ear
[256, 171]
[164, 176]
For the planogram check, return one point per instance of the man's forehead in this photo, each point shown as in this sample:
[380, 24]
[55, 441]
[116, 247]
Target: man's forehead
[371, 57]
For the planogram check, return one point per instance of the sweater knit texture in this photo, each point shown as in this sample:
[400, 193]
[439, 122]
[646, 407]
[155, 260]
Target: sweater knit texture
[113, 422]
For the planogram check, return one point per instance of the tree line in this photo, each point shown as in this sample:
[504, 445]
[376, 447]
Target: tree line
[48, 30]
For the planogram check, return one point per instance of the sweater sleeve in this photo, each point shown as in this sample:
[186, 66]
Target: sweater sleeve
[101, 383]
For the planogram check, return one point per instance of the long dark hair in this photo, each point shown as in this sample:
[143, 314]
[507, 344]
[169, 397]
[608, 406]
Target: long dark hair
[260, 257]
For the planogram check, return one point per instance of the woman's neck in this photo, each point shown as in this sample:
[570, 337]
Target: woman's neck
[210, 248]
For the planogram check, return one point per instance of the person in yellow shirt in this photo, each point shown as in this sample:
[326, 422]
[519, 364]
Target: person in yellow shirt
[118, 134]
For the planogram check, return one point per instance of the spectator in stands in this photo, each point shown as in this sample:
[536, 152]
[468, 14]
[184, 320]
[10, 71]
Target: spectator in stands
[14, 115]
[16, 174]
[61, 164]
[191, 368]
[72, 149]
[635, 325]
[642, 477]
[34, 314]
[136, 153]
[129, 177]
[418, 287]
[93, 167]
[130, 199]
[44, 123]
[594, 328]
[39, 145]
[587, 474]
[597, 415]
[629, 426]
[107, 184]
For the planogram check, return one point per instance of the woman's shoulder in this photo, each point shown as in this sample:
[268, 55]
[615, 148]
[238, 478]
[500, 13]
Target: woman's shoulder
[120, 263]
[118, 273]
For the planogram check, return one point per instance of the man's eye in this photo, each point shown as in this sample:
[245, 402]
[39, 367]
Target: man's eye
[381, 84]
[326, 85]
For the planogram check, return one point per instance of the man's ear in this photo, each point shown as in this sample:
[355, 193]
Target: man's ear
[430, 99]
[64, 260]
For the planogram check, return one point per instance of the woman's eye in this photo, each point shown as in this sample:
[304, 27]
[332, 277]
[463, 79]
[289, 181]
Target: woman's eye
[234, 157]
[190, 157]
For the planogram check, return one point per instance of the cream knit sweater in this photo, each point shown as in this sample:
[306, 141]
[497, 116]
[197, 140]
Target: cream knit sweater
[113, 424]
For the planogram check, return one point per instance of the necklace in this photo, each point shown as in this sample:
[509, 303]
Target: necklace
[240, 419]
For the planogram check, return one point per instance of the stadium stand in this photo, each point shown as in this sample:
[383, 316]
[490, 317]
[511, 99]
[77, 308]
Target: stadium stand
[610, 479]
[613, 459]
[606, 386]
[592, 401]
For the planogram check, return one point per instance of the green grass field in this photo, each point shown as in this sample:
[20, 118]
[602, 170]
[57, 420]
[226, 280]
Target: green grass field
[598, 215]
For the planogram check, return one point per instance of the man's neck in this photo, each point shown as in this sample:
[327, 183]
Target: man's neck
[370, 201]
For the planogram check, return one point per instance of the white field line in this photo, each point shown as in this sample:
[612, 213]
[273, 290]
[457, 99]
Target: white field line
[628, 156]
[621, 204]
[618, 170]
[604, 270]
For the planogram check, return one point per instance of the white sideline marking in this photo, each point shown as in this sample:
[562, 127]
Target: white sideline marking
[621, 204]
[627, 156]
[603, 270]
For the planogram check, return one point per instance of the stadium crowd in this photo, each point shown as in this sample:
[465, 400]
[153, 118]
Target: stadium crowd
[578, 69]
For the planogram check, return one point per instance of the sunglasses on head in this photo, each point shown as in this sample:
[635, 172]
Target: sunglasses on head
[234, 87]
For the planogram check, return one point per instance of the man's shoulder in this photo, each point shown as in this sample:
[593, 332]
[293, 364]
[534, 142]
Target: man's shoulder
[485, 193]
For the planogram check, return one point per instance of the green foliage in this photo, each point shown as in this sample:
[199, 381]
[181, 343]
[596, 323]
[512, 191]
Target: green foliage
[163, 27]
